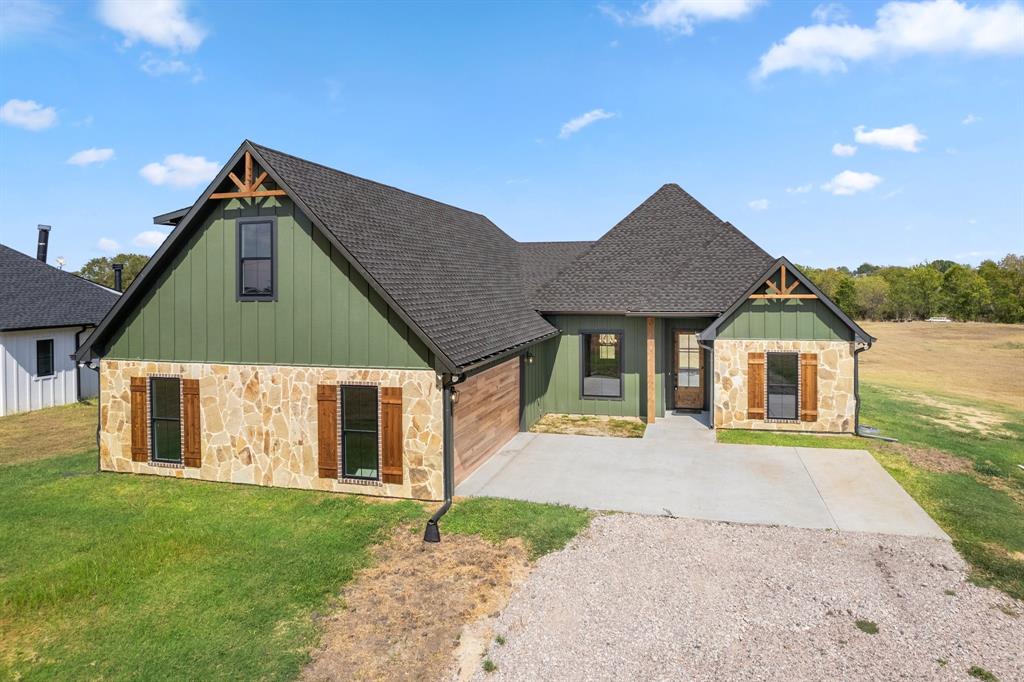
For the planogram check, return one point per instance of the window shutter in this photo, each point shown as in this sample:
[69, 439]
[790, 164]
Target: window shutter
[809, 387]
[391, 436]
[327, 430]
[190, 422]
[140, 427]
[755, 385]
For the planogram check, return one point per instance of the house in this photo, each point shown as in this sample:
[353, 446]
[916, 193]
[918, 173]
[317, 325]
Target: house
[45, 314]
[307, 328]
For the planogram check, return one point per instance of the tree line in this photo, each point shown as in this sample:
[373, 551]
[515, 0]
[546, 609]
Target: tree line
[991, 292]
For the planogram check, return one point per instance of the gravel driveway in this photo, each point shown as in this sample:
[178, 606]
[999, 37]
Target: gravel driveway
[649, 598]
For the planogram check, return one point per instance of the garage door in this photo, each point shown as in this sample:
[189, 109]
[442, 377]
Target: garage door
[486, 416]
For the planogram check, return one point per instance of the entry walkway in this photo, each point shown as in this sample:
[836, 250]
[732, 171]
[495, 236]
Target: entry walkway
[678, 469]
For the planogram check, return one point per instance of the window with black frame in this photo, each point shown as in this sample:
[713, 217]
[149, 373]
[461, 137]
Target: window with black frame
[44, 358]
[256, 259]
[602, 365]
[165, 419]
[783, 382]
[359, 451]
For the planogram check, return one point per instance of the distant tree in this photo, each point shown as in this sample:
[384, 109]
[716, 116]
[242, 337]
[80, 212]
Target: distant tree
[99, 269]
[942, 265]
[926, 285]
[1005, 280]
[965, 293]
[846, 296]
[871, 294]
[866, 269]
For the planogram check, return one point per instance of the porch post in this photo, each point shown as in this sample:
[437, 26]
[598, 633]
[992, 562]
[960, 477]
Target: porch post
[651, 383]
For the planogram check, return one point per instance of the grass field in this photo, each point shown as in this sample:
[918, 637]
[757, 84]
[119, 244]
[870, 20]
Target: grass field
[967, 359]
[114, 576]
[958, 455]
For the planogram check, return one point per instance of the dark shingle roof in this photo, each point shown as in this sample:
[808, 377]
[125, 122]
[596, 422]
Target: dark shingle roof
[452, 271]
[671, 254]
[35, 295]
[541, 261]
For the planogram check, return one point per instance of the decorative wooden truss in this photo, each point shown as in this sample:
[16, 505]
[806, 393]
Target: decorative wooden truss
[781, 289]
[249, 188]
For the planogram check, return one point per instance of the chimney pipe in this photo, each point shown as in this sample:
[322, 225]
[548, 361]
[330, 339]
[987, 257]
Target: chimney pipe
[44, 240]
[118, 267]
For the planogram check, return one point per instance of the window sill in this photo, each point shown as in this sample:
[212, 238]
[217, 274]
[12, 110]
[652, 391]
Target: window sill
[361, 481]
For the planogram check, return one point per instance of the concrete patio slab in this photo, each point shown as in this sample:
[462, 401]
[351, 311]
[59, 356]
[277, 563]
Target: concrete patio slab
[678, 469]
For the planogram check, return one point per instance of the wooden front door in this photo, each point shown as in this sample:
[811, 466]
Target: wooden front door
[688, 378]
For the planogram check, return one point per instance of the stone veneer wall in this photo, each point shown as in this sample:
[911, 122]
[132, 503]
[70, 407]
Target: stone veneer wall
[259, 424]
[836, 401]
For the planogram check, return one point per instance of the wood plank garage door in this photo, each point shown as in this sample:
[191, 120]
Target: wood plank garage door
[486, 415]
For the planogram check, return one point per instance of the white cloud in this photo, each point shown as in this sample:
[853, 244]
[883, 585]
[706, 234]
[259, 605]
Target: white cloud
[108, 245]
[149, 239]
[851, 182]
[20, 18]
[159, 22]
[843, 149]
[156, 67]
[970, 119]
[179, 170]
[680, 16]
[758, 204]
[28, 114]
[580, 122]
[830, 13]
[904, 137]
[901, 29]
[895, 193]
[90, 156]
[800, 189]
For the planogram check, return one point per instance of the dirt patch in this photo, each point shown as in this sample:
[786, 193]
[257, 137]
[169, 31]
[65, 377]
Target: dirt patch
[964, 418]
[587, 425]
[933, 460]
[406, 616]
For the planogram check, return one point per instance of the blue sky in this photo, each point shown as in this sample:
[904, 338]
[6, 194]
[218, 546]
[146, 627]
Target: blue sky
[739, 102]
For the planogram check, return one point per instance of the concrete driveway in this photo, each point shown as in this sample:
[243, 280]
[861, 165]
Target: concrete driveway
[677, 469]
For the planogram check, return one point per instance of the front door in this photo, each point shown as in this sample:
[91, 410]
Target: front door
[689, 372]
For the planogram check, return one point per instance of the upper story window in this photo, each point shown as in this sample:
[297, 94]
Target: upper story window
[44, 358]
[257, 271]
[602, 365]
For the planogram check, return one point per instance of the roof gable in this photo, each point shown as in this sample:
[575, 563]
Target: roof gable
[37, 295]
[670, 255]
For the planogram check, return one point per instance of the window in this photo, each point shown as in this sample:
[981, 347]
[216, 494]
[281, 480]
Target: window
[256, 245]
[44, 358]
[359, 432]
[165, 419]
[689, 361]
[602, 364]
[783, 379]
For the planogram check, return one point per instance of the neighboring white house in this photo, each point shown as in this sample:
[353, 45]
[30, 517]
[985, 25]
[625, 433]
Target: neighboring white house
[45, 315]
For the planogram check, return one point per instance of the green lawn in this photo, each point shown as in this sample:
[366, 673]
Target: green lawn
[979, 507]
[114, 576]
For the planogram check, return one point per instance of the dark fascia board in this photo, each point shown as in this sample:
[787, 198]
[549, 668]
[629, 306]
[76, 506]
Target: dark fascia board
[171, 218]
[69, 325]
[86, 352]
[673, 314]
[631, 313]
[492, 360]
[711, 332]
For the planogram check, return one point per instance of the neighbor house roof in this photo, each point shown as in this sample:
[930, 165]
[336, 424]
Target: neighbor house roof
[542, 261]
[36, 295]
[670, 255]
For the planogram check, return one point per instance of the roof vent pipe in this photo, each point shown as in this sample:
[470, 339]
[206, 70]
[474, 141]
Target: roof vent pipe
[118, 267]
[44, 241]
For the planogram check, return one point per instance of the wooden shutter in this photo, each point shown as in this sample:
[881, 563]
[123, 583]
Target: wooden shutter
[755, 385]
[809, 387]
[327, 430]
[140, 426]
[190, 426]
[391, 435]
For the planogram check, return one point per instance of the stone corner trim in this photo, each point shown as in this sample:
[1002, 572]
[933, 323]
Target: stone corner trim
[836, 401]
[259, 424]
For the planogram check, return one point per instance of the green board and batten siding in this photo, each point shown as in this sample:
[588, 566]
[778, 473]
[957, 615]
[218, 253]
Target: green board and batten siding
[553, 379]
[803, 319]
[325, 313]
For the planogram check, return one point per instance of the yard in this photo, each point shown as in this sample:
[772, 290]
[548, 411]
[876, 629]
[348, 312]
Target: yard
[950, 393]
[108, 576]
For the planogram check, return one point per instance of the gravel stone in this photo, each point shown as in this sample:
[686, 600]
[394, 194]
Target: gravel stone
[647, 598]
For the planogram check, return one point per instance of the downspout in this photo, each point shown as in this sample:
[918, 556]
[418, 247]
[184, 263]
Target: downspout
[711, 384]
[432, 533]
[78, 368]
[856, 397]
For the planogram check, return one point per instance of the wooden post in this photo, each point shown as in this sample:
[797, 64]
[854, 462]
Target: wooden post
[651, 383]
